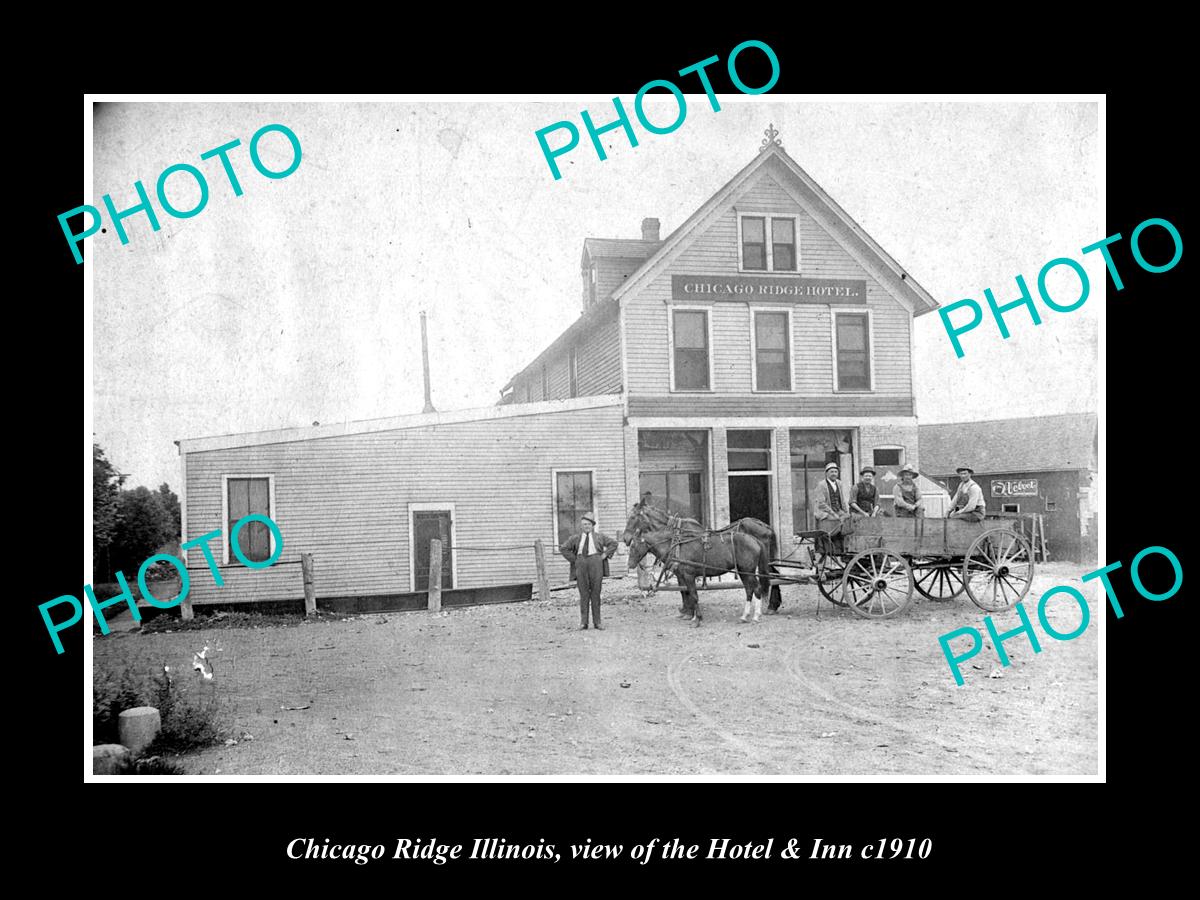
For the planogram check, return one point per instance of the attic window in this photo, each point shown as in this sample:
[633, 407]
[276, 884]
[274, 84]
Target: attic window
[767, 243]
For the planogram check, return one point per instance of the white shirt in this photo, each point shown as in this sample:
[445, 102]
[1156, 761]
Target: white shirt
[585, 548]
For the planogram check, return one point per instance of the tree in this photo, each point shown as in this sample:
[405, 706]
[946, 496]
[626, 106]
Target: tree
[170, 504]
[143, 527]
[106, 489]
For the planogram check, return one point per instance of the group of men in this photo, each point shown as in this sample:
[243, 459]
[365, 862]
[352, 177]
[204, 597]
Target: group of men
[833, 503]
[589, 551]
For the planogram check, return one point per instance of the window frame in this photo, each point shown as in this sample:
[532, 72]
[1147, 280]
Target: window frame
[412, 535]
[772, 449]
[554, 473]
[545, 384]
[573, 371]
[226, 531]
[1004, 508]
[708, 311]
[834, 312]
[770, 248]
[791, 355]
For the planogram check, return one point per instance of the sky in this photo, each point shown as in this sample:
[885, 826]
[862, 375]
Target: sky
[299, 301]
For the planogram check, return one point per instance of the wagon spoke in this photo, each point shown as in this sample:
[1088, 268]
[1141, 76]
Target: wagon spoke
[1003, 582]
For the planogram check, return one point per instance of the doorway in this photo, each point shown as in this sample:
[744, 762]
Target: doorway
[428, 525]
[810, 451]
[750, 472]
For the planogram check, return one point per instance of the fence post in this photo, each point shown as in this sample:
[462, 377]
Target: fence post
[310, 593]
[435, 575]
[543, 580]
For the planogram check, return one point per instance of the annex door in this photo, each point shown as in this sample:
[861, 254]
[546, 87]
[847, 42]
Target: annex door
[428, 525]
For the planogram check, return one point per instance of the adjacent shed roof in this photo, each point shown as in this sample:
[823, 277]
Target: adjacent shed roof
[620, 247]
[393, 423]
[1035, 444]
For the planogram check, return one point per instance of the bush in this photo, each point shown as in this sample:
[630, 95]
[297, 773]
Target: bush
[111, 694]
[188, 723]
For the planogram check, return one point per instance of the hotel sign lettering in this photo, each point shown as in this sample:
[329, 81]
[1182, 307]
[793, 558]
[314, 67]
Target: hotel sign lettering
[1010, 488]
[794, 289]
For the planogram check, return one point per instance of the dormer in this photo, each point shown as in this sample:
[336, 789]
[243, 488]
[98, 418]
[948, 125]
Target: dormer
[607, 262]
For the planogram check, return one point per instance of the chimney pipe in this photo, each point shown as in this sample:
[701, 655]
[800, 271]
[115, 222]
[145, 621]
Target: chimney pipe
[425, 358]
[650, 229]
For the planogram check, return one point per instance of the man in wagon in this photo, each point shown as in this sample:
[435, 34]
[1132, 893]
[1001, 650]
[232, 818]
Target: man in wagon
[907, 496]
[864, 501]
[830, 502]
[968, 500]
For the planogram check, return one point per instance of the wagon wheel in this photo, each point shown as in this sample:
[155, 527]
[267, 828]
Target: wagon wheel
[830, 570]
[878, 583]
[998, 570]
[938, 578]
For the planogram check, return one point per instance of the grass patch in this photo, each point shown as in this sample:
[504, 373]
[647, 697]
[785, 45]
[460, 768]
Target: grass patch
[234, 619]
[152, 765]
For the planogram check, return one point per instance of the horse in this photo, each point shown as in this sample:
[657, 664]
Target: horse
[756, 528]
[691, 554]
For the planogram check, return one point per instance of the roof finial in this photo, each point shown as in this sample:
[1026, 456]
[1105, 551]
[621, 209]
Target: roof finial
[772, 138]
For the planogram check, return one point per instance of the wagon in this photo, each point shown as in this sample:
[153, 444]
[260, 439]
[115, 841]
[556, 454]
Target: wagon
[874, 565]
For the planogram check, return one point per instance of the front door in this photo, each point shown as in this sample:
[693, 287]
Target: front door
[431, 525]
[750, 471]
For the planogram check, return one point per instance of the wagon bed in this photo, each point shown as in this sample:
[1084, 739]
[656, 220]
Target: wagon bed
[873, 565]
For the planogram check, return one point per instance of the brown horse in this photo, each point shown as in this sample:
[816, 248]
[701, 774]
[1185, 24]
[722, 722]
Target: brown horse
[756, 528]
[692, 554]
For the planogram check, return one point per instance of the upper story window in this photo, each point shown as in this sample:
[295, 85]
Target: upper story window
[852, 351]
[573, 370]
[772, 350]
[690, 350]
[767, 243]
[545, 387]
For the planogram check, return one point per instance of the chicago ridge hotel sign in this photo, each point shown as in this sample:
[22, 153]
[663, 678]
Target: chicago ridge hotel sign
[760, 287]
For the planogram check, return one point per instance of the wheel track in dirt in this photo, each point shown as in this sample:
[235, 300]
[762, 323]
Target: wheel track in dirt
[828, 703]
[791, 663]
[674, 670]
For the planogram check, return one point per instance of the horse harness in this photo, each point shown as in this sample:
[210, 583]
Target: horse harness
[675, 523]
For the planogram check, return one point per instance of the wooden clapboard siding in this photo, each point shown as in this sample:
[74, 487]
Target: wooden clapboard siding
[611, 272]
[599, 365]
[345, 500]
[600, 360]
[708, 405]
[715, 251]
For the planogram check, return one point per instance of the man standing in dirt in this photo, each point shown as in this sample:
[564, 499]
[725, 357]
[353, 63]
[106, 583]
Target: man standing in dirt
[588, 553]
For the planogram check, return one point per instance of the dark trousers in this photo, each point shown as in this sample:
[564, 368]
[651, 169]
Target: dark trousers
[975, 515]
[589, 572]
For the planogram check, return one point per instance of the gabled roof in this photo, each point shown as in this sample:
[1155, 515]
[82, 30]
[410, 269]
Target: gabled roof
[393, 423]
[1000, 446]
[828, 214]
[658, 254]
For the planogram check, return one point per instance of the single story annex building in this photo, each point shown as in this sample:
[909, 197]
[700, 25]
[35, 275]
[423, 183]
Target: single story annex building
[718, 368]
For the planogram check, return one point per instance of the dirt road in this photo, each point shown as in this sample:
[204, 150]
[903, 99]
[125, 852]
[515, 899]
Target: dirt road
[516, 689]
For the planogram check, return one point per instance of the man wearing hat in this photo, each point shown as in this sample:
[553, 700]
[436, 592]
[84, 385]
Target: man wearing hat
[830, 502]
[907, 496]
[864, 501]
[588, 553]
[968, 501]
